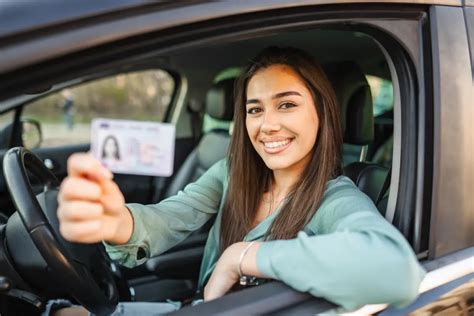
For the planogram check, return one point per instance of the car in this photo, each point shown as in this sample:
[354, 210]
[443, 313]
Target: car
[403, 73]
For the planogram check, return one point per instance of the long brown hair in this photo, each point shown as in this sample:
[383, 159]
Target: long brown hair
[249, 177]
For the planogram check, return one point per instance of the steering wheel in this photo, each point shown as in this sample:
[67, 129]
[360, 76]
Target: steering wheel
[82, 270]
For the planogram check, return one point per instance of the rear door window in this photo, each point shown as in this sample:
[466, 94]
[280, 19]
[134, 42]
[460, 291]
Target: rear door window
[65, 116]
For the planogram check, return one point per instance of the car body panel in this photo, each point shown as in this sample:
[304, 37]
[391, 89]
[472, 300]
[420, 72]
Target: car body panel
[453, 167]
[61, 40]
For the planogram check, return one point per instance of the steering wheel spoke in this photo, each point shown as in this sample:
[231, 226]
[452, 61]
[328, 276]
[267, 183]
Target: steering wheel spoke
[83, 269]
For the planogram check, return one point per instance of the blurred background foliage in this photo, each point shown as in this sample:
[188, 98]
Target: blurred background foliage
[139, 96]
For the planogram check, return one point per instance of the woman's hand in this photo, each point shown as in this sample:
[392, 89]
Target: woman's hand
[226, 272]
[91, 206]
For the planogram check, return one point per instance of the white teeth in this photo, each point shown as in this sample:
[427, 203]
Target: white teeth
[276, 144]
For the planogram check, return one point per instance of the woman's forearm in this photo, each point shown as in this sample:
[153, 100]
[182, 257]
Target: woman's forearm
[249, 262]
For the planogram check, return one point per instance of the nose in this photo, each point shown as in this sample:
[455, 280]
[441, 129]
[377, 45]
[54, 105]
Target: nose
[270, 122]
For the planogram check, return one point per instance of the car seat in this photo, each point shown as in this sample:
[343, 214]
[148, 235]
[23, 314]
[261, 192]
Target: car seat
[355, 100]
[213, 145]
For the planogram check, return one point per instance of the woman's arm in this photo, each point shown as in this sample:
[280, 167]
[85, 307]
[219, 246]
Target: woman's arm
[158, 227]
[90, 204]
[226, 272]
[355, 258]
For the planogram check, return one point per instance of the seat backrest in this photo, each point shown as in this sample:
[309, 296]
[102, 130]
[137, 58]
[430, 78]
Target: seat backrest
[370, 178]
[355, 100]
[213, 145]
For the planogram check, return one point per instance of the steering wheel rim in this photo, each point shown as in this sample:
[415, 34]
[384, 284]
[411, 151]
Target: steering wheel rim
[95, 290]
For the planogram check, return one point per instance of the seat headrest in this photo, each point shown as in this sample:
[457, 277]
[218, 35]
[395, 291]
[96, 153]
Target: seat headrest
[220, 100]
[355, 100]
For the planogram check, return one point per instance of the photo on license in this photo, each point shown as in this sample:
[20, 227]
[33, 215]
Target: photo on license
[134, 147]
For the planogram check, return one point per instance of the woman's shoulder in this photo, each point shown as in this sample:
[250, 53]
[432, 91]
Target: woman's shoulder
[341, 199]
[342, 186]
[218, 170]
[220, 166]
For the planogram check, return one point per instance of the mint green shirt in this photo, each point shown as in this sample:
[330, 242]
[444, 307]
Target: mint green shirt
[348, 253]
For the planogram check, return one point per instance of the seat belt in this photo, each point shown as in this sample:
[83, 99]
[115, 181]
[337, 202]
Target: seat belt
[158, 186]
[195, 109]
[390, 214]
[385, 186]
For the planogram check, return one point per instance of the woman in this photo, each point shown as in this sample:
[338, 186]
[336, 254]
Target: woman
[110, 150]
[279, 195]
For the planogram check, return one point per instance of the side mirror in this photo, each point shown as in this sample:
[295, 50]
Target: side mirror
[31, 133]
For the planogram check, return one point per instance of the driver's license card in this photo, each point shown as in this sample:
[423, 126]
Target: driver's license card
[134, 147]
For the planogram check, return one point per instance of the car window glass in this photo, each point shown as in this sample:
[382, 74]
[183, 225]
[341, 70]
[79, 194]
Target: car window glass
[65, 116]
[209, 122]
[381, 150]
[382, 94]
[6, 128]
[6, 119]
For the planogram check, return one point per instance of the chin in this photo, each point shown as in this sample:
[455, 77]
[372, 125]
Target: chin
[275, 163]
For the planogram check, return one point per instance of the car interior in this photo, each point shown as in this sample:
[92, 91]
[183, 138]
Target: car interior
[201, 107]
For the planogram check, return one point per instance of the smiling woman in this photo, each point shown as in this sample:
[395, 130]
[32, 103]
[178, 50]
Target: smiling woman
[293, 145]
[279, 195]
[275, 119]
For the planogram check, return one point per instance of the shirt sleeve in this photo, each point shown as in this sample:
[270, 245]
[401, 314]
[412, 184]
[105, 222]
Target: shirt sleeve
[161, 226]
[355, 257]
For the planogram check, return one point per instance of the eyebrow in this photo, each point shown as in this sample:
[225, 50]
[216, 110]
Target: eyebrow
[276, 96]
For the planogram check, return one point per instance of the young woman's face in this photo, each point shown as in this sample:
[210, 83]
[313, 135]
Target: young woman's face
[110, 148]
[281, 120]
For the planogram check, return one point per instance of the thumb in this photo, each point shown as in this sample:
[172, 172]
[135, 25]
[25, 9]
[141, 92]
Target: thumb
[112, 198]
[85, 165]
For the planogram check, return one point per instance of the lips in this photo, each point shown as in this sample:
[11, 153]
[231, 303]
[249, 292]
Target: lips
[276, 146]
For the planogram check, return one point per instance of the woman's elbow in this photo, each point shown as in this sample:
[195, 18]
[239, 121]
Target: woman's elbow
[410, 275]
[401, 286]
[394, 281]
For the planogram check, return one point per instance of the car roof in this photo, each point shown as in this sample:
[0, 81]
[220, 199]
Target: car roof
[31, 15]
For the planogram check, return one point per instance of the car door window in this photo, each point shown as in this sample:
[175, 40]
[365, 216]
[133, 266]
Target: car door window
[381, 150]
[382, 94]
[6, 127]
[65, 116]
[6, 119]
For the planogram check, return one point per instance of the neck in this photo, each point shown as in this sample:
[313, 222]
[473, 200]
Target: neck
[285, 179]
[283, 182]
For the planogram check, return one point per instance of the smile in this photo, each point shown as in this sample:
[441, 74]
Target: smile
[276, 146]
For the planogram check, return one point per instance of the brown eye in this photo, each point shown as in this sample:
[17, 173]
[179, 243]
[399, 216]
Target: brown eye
[254, 110]
[286, 105]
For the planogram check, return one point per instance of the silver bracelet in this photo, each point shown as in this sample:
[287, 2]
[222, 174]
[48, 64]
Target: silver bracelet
[242, 255]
